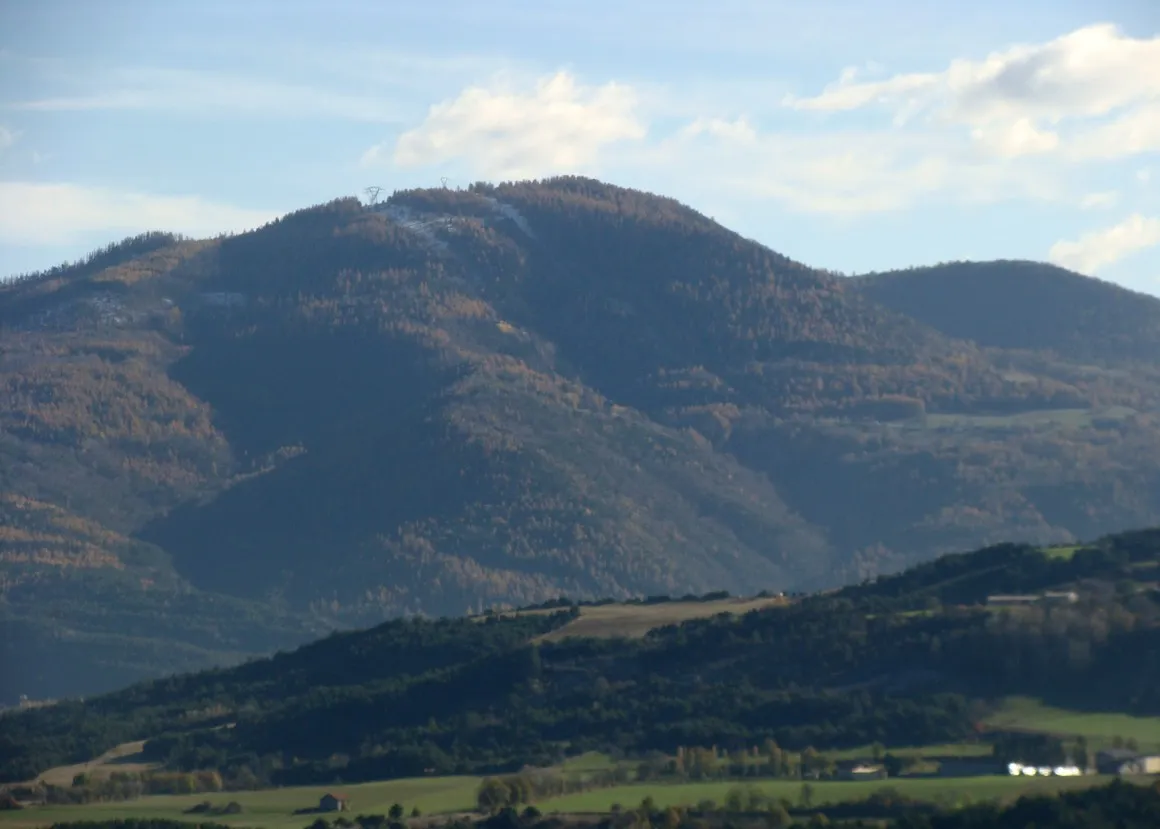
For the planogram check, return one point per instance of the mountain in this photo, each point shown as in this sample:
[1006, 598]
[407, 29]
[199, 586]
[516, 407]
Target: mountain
[913, 659]
[465, 398]
[1024, 305]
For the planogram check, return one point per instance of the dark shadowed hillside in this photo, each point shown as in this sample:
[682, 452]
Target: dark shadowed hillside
[1027, 305]
[465, 398]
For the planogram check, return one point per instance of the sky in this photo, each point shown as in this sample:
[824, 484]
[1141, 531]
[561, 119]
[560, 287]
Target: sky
[852, 135]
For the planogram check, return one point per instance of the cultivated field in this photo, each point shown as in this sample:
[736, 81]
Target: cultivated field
[634, 620]
[125, 757]
[1022, 714]
[269, 809]
[943, 790]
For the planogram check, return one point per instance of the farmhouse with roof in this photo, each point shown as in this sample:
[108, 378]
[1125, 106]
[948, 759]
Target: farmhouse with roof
[332, 802]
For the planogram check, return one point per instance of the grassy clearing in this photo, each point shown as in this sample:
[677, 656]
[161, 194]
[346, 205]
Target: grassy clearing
[268, 809]
[1022, 714]
[590, 761]
[947, 790]
[125, 757]
[1066, 418]
[635, 620]
[1063, 553]
[1073, 418]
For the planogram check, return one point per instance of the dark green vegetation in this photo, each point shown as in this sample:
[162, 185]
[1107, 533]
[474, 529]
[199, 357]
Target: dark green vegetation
[138, 823]
[495, 396]
[1025, 305]
[913, 659]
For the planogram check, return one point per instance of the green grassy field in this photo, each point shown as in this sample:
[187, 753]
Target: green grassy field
[1063, 553]
[589, 761]
[937, 790]
[1019, 713]
[269, 809]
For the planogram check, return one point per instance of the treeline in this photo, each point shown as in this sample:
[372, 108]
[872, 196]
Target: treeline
[106, 257]
[120, 785]
[137, 823]
[687, 764]
[564, 601]
[968, 578]
[1115, 806]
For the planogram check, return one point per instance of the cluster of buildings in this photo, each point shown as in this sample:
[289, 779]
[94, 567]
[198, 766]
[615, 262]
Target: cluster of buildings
[1119, 761]
[1126, 762]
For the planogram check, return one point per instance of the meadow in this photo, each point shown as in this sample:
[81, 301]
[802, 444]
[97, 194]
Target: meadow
[270, 808]
[1023, 714]
[941, 790]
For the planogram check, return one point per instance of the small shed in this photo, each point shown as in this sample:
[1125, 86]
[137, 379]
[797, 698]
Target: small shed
[333, 802]
[863, 771]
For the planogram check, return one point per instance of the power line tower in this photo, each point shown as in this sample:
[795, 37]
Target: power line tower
[373, 195]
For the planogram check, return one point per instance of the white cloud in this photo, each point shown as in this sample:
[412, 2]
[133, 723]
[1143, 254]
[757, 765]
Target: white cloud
[843, 173]
[1099, 201]
[178, 90]
[1094, 250]
[50, 214]
[1007, 98]
[558, 126]
[7, 138]
[1020, 137]
[1134, 133]
[999, 128]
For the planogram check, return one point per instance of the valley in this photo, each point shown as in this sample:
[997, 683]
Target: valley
[925, 680]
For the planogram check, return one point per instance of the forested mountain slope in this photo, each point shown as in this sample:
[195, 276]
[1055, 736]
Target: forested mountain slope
[463, 398]
[1026, 305]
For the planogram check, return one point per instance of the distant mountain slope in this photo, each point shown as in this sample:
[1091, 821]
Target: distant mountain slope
[465, 398]
[1031, 305]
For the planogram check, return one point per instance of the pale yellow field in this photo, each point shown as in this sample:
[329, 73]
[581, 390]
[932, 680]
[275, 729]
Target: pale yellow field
[125, 757]
[635, 620]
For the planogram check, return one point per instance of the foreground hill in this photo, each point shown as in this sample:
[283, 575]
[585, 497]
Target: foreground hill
[912, 659]
[1024, 305]
[467, 398]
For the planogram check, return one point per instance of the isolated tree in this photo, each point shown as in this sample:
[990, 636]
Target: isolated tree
[493, 795]
[735, 800]
[811, 761]
[773, 751]
[806, 796]
[778, 817]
